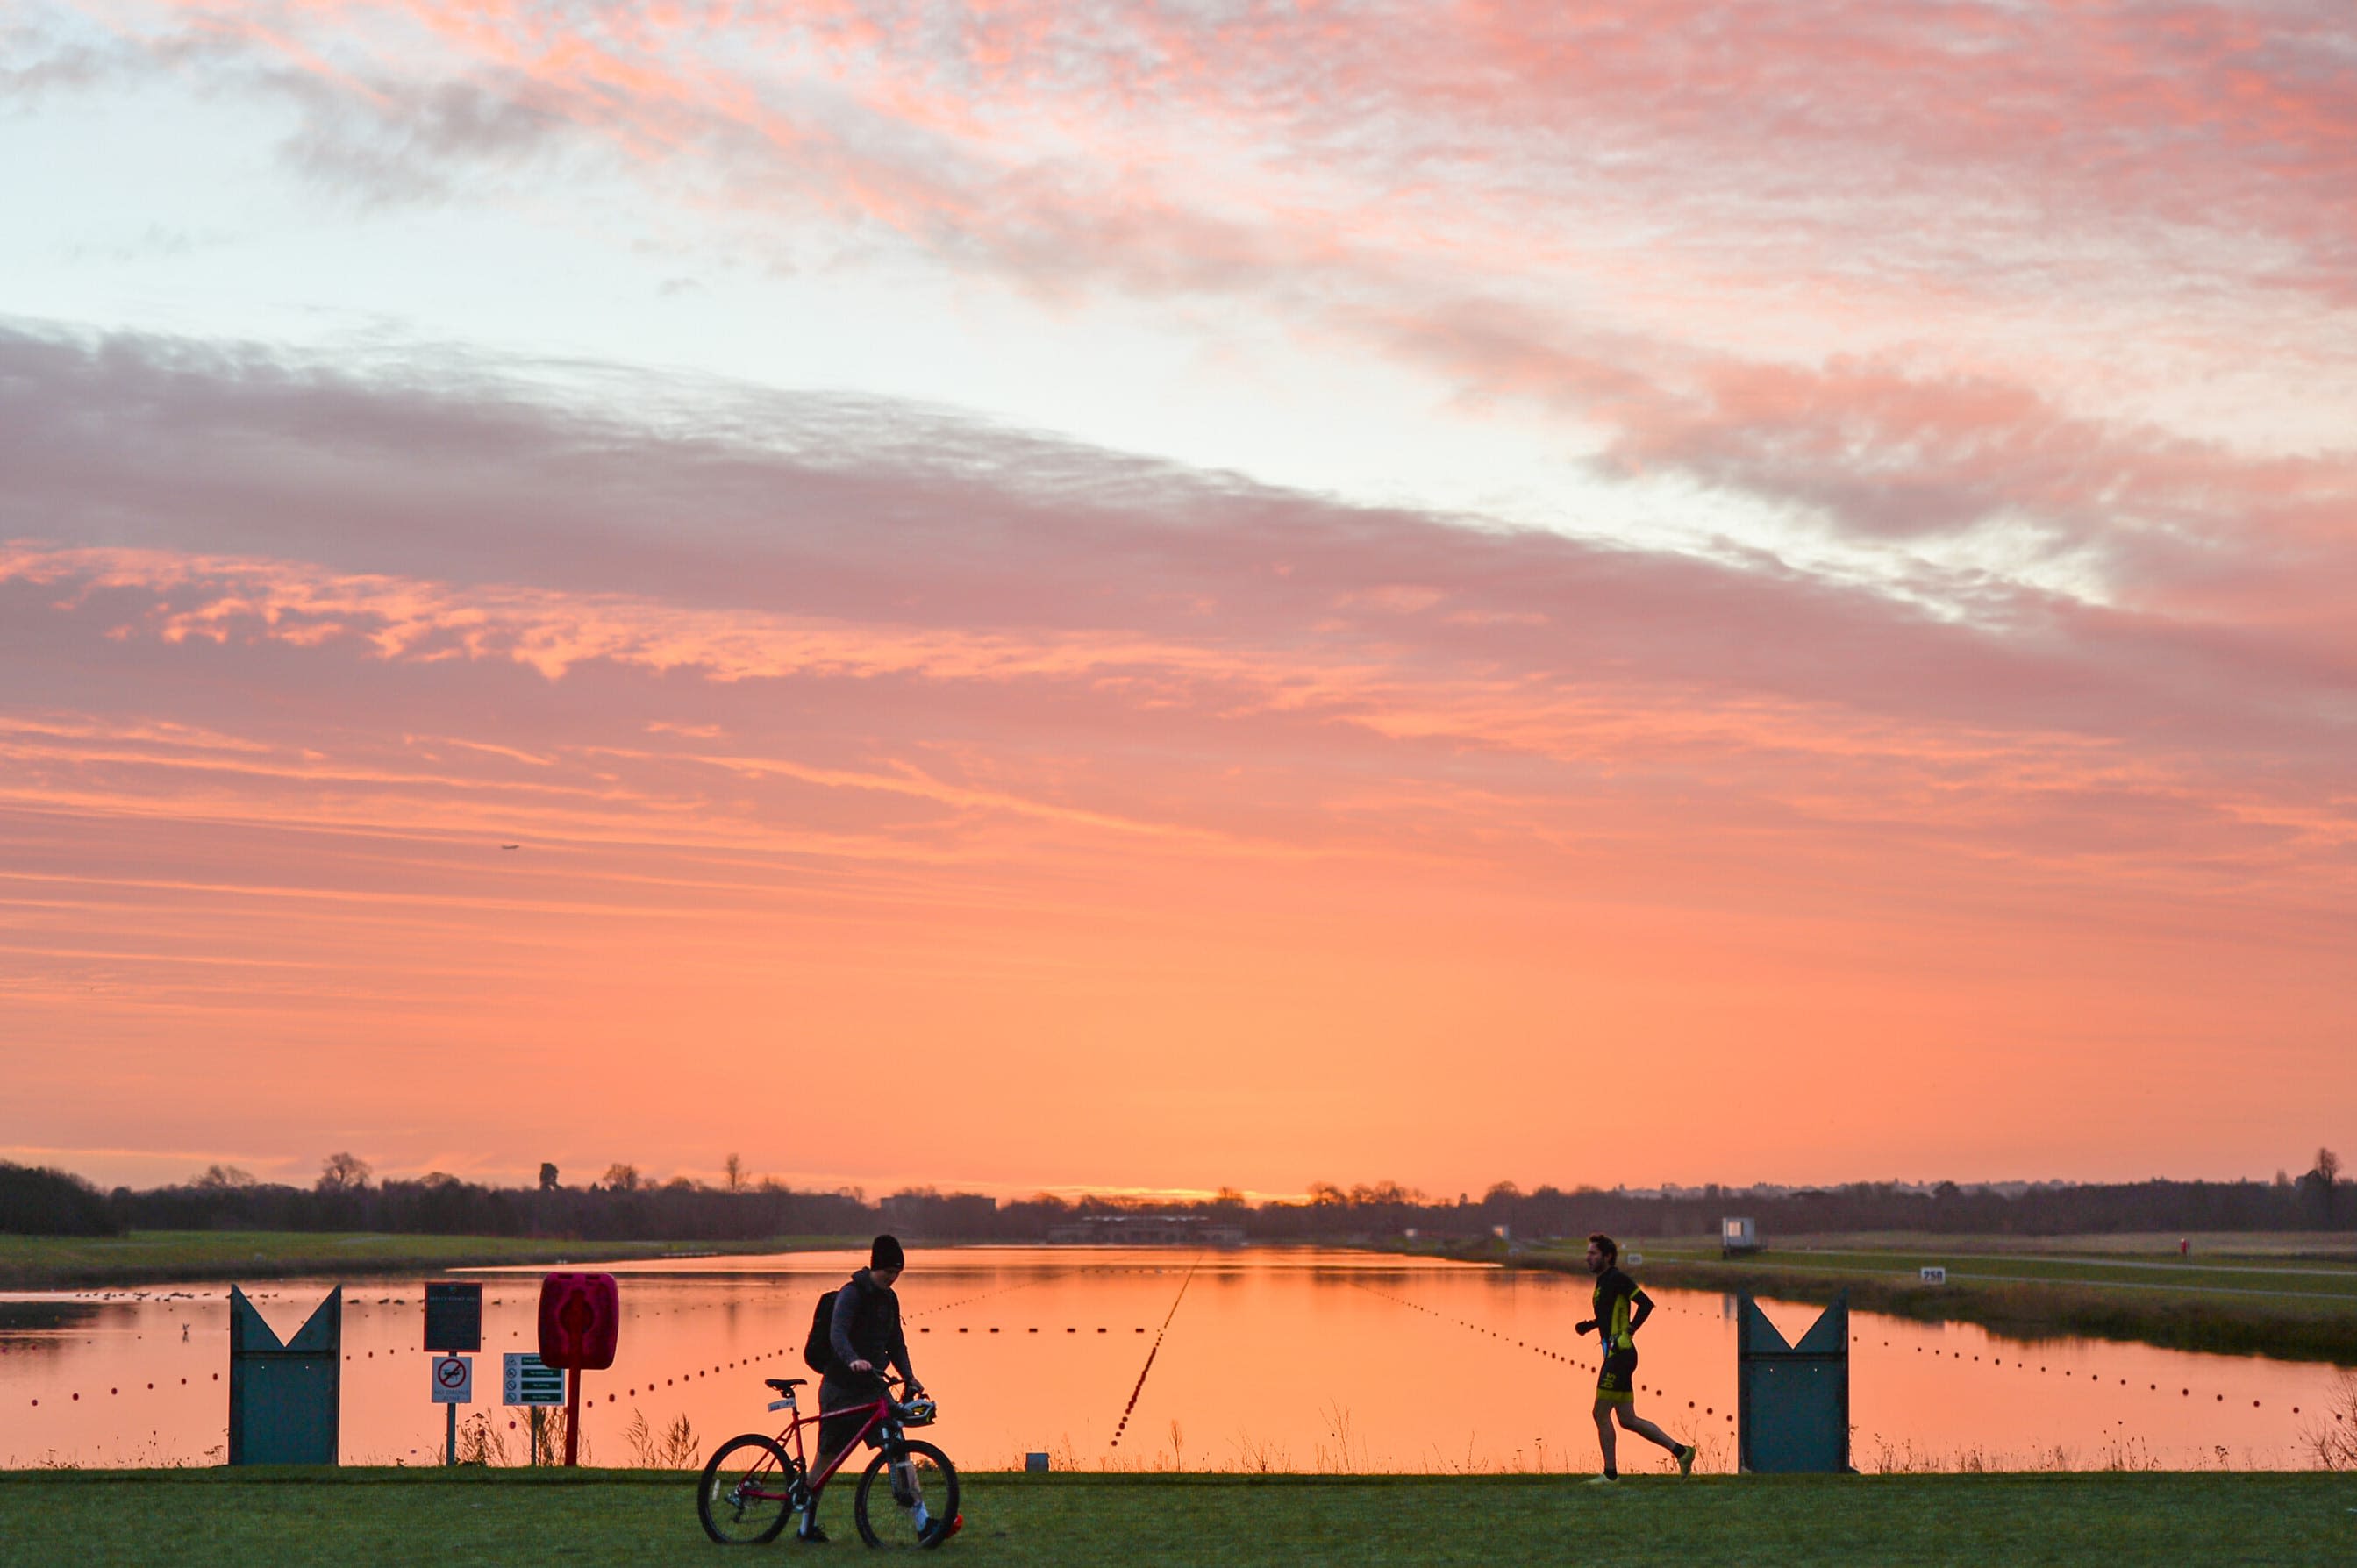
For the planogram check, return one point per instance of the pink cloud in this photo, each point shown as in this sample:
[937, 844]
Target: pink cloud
[1670, 227]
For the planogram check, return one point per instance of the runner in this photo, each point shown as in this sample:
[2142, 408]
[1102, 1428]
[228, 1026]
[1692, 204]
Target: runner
[1616, 1376]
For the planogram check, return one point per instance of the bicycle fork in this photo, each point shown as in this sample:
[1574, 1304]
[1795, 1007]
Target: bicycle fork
[906, 1493]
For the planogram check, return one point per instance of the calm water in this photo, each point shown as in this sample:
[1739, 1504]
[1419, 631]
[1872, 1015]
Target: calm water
[1302, 1360]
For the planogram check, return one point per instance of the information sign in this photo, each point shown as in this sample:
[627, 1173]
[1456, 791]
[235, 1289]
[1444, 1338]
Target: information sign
[454, 1379]
[531, 1380]
[454, 1316]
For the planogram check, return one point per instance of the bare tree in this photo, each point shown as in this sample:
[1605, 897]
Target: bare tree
[2326, 1175]
[548, 1176]
[732, 1168]
[621, 1177]
[343, 1172]
[219, 1178]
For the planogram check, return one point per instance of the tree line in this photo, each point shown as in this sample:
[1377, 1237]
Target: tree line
[622, 1204]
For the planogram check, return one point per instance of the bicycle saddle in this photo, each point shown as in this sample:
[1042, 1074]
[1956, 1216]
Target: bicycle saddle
[783, 1384]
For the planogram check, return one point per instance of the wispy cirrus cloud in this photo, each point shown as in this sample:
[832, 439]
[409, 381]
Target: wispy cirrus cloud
[1870, 273]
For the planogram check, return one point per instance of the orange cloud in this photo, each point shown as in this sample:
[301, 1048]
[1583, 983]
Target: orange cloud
[1156, 825]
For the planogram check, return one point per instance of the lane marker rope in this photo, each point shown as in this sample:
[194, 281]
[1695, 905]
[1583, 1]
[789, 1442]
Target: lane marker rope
[1151, 1351]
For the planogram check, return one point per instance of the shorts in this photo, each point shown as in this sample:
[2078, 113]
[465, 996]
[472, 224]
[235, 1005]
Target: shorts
[836, 1390]
[1616, 1380]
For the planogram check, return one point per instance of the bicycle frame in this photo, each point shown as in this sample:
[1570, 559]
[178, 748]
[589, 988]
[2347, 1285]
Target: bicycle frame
[880, 1414]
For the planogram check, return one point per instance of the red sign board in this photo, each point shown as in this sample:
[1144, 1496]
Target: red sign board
[579, 1318]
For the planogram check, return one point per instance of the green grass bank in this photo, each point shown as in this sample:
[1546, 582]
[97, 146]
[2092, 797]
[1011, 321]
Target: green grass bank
[595, 1518]
[2295, 1307]
[160, 1257]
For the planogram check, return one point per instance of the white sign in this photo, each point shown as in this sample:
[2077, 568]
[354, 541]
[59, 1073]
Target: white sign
[454, 1379]
[531, 1380]
[1935, 1276]
[1635, 1259]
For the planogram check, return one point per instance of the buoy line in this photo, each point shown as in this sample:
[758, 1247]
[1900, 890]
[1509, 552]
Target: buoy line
[1151, 1351]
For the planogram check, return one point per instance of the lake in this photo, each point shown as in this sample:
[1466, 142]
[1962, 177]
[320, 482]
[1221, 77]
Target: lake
[1310, 1361]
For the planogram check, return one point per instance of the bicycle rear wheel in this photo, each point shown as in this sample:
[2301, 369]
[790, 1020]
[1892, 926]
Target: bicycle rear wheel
[744, 1494]
[914, 1508]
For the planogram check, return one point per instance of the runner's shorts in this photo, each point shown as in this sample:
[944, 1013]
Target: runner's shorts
[1616, 1381]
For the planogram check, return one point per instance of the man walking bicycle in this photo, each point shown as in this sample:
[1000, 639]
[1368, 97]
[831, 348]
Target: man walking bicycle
[863, 1334]
[1621, 1310]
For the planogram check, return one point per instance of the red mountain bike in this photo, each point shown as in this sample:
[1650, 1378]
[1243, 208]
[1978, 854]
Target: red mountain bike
[754, 1486]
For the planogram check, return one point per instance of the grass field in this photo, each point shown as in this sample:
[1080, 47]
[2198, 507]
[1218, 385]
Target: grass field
[2263, 1300]
[2328, 1247]
[154, 1257]
[207, 1516]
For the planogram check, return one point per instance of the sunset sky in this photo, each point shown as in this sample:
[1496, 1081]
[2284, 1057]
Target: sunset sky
[1152, 595]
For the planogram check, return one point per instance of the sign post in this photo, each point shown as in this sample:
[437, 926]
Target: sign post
[580, 1316]
[532, 1382]
[454, 1323]
[454, 1385]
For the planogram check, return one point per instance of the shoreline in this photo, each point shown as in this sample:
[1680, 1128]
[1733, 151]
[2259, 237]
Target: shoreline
[2213, 1320]
[150, 1258]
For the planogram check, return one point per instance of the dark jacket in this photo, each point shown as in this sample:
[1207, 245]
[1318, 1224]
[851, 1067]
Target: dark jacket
[867, 1326]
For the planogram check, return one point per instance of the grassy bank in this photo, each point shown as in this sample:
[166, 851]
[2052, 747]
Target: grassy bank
[2296, 1307]
[201, 1517]
[158, 1257]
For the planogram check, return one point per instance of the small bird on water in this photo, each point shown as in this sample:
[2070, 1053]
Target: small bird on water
[511, 846]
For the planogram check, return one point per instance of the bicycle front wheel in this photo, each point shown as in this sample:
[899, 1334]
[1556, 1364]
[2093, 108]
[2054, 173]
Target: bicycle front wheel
[911, 1502]
[744, 1496]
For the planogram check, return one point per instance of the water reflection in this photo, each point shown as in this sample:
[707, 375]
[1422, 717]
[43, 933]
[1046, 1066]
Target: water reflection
[1286, 1361]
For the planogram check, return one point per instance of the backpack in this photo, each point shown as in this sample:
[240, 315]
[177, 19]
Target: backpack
[818, 1350]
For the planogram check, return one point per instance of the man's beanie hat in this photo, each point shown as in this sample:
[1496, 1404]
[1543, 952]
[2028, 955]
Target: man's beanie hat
[885, 1253]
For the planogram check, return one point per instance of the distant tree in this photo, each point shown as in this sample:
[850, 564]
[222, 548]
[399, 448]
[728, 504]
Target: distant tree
[682, 1183]
[2325, 1174]
[547, 1176]
[733, 1170]
[35, 1200]
[1502, 1192]
[343, 1172]
[1326, 1195]
[621, 1177]
[1228, 1198]
[222, 1178]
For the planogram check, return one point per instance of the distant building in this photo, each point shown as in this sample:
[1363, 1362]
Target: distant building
[1146, 1230]
[1737, 1236]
